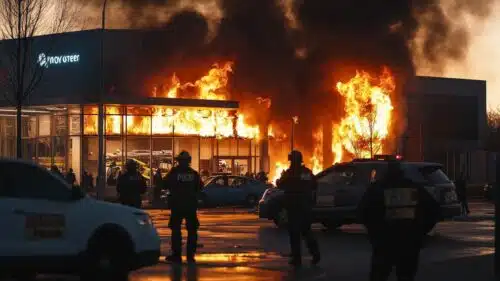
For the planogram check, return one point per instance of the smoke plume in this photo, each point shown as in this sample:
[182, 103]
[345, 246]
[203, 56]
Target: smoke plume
[294, 51]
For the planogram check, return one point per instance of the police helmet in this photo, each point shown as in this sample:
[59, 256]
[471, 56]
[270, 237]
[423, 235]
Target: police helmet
[295, 156]
[131, 165]
[183, 156]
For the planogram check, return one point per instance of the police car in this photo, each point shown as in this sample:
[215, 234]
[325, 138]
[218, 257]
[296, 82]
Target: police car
[48, 227]
[341, 187]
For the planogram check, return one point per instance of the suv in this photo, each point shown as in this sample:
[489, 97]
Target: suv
[341, 187]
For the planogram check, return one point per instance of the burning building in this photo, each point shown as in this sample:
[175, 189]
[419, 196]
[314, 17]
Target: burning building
[325, 77]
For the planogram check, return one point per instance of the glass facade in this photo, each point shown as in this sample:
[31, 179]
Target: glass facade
[67, 136]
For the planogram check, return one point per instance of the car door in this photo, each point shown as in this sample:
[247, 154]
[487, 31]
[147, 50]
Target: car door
[12, 225]
[43, 203]
[218, 191]
[238, 190]
[325, 194]
[347, 186]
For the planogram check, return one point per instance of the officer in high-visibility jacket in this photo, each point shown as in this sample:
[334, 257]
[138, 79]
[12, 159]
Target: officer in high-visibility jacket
[397, 213]
[185, 185]
[299, 187]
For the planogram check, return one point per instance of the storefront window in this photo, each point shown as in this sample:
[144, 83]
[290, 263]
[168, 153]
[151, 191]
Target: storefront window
[60, 125]
[29, 149]
[138, 125]
[74, 125]
[44, 125]
[29, 126]
[228, 147]
[114, 160]
[191, 145]
[60, 148]
[44, 149]
[162, 153]
[139, 150]
[206, 154]
[90, 156]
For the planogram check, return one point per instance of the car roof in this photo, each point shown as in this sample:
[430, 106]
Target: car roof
[378, 162]
[18, 161]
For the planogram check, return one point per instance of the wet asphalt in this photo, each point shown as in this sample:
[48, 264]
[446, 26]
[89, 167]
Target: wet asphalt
[235, 245]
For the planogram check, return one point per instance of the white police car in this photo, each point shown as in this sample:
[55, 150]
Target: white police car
[47, 227]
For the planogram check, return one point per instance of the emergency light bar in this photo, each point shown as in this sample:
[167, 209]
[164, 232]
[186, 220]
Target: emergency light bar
[387, 157]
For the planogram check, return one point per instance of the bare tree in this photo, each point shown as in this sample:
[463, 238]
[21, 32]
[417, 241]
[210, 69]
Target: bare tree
[20, 22]
[366, 143]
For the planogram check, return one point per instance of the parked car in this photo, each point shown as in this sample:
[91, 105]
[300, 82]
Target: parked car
[227, 190]
[53, 228]
[341, 187]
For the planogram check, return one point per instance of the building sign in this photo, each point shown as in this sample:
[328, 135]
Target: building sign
[45, 60]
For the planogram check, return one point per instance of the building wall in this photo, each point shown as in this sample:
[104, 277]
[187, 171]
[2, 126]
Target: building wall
[446, 123]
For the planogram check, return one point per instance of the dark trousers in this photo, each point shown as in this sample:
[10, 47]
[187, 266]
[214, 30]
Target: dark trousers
[465, 206]
[192, 224]
[403, 256]
[299, 226]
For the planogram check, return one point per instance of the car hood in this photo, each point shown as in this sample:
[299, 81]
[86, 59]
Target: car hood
[111, 207]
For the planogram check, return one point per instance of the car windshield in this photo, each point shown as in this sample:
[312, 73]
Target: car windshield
[434, 175]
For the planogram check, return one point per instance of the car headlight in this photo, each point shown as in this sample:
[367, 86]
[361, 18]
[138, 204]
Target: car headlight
[143, 219]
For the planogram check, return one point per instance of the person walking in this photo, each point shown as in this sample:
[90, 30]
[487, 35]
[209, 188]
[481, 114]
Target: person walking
[397, 214]
[184, 184]
[71, 177]
[299, 186]
[461, 189]
[131, 185]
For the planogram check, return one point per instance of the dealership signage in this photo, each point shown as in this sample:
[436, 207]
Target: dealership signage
[46, 60]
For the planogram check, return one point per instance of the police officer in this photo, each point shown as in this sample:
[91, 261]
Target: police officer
[131, 185]
[299, 185]
[185, 185]
[397, 214]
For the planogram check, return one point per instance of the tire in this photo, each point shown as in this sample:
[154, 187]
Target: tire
[251, 200]
[281, 218]
[331, 225]
[109, 256]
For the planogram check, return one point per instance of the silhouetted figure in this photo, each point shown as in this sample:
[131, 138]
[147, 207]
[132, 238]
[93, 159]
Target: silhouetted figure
[299, 184]
[87, 182]
[54, 169]
[397, 214]
[71, 177]
[157, 186]
[262, 177]
[131, 185]
[461, 189]
[185, 185]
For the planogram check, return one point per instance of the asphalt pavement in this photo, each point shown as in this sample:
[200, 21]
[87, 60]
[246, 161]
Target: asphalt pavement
[237, 246]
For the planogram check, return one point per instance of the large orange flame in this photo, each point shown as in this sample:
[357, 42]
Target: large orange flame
[368, 114]
[182, 121]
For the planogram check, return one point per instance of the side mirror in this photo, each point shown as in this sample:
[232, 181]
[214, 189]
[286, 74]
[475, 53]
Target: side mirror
[76, 193]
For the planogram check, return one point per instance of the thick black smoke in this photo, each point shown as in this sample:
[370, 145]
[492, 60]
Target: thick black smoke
[335, 37]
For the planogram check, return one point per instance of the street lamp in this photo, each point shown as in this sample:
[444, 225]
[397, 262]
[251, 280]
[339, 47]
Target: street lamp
[100, 123]
[295, 120]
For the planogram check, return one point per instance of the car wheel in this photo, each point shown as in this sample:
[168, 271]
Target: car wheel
[251, 200]
[108, 257]
[331, 225]
[281, 218]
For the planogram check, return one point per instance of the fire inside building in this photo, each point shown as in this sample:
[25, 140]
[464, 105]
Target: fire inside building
[149, 117]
